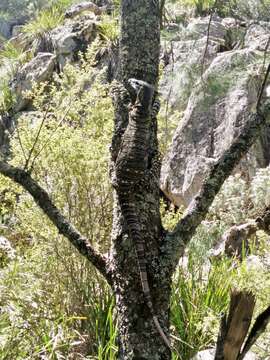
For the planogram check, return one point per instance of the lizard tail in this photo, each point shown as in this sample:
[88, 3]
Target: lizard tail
[147, 294]
[161, 333]
[130, 215]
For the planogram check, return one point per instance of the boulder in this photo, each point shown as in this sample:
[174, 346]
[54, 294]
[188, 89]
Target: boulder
[199, 27]
[215, 98]
[183, 71]
[78, 9]
[71, 38]
[38, 70]
[7, 26]
[209, 354]
[257, 36]
[189, 54]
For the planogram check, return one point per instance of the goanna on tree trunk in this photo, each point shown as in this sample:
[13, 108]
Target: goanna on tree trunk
[138, 337]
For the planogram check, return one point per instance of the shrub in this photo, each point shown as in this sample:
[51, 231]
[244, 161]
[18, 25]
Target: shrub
[45, 21]
[53, 303]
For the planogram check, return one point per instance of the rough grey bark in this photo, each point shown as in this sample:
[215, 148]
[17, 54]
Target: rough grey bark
[138, 337]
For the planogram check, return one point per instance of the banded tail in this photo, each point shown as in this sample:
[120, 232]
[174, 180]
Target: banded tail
[129, 213]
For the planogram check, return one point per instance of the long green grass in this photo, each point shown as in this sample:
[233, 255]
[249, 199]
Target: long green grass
[197, 302]
[45, 21]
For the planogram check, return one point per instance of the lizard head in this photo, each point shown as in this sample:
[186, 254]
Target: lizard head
[143, 93]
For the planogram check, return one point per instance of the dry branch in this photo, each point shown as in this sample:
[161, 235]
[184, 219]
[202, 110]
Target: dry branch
[196, 212]
[258, 328]
[43, 200]
[235, 327]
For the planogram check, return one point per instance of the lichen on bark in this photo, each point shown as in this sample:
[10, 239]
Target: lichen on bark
[138, 337]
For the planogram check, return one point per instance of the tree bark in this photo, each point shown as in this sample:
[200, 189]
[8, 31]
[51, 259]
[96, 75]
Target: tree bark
[138, 337]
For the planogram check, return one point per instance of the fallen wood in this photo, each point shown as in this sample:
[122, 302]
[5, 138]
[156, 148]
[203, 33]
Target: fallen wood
[235, 327]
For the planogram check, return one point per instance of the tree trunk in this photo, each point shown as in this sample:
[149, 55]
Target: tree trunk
[138, 337]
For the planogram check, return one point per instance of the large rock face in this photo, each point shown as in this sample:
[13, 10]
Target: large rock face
[191, 52]
[218, 106]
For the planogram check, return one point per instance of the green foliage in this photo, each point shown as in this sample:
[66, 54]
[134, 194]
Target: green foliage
[240, 199]
[109, 29]
[15, 8]
[6, 97]
[11, 57]
[45, 21]
[200, 291]
[53, 305]
[19, 8]
[168, 122]
[201, 6]
[198, 299]
[10, 52]
[243, 9]
[47, 18]
[60, 307]
[71, 133]
[4, 15]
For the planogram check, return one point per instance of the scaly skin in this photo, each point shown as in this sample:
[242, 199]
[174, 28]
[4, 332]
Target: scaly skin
[130, 168]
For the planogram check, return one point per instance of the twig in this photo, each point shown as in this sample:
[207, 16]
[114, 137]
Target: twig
[49, 138]
[161, 9]
[207, 38]
[36, 139]
[262, 89]
[20, 142]
[265, 52]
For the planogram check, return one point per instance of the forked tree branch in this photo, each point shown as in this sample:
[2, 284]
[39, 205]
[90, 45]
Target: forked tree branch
[196, 212]
[43, 200]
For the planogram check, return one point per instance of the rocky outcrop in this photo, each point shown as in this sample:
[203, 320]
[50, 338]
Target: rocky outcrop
[38, 70]
[7, 26]
[189, 54]
[54, 49]
[65, 41]
[218, 106]
[78, 9]
[257, 36]
[71, 38]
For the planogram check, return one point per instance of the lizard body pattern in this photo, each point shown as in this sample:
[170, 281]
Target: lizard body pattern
[131, 167]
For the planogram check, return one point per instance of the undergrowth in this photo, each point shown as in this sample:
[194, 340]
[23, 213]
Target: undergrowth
[53, 304]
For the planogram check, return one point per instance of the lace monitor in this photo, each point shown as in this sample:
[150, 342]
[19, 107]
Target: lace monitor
[131, 166]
